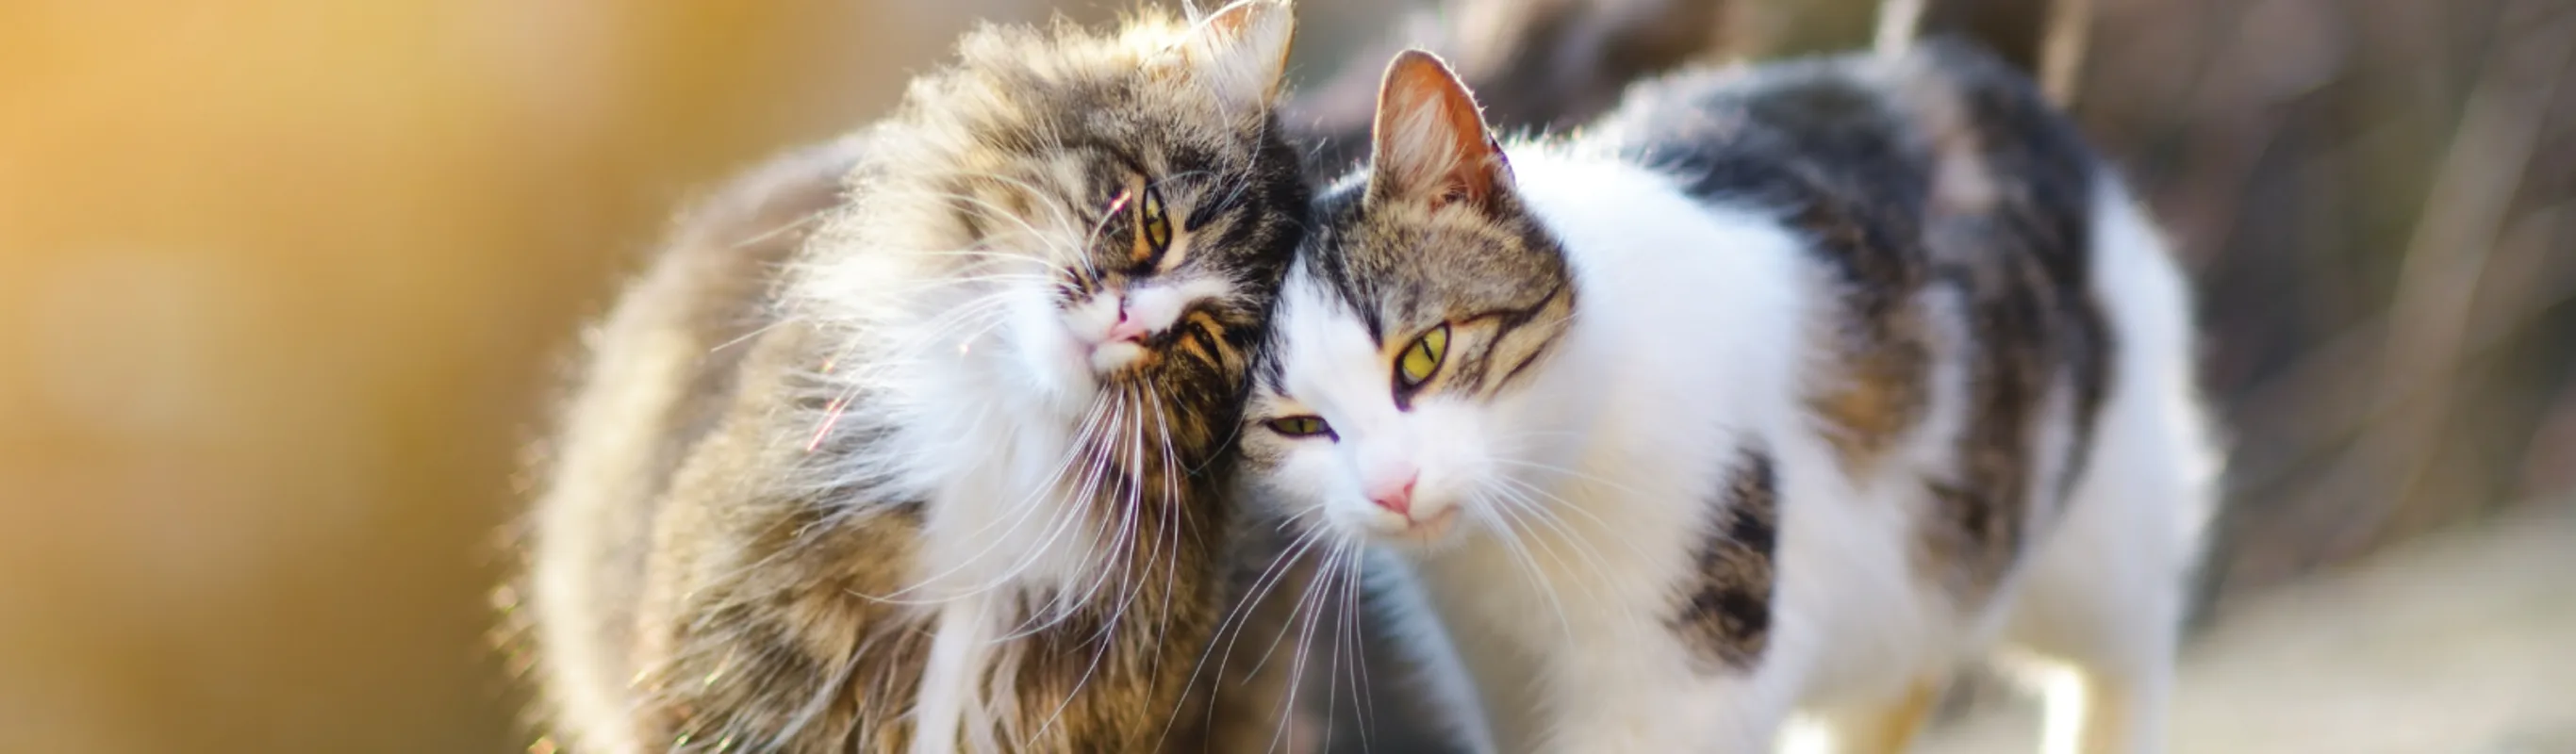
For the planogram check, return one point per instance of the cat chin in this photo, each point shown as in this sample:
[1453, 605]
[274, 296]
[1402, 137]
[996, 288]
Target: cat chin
[1107, 359]
[1054, 368]
[1442, 531]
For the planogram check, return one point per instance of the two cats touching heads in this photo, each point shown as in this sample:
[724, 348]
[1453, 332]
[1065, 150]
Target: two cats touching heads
[1065, 410]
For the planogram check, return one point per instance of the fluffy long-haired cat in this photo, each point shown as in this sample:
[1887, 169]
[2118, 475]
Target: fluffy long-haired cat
[1778, 392]
[914, 443]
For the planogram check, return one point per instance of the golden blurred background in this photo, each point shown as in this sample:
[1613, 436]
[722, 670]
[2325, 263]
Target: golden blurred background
[286, 287]
[283, 287]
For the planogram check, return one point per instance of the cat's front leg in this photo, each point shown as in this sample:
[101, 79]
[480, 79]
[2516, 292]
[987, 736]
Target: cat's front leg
[1479, 677]
[1888, 726]
[2090, 712]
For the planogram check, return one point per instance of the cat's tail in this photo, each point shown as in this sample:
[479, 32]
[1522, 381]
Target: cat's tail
[1899, 22]
[2061, 48]
[2062, 41]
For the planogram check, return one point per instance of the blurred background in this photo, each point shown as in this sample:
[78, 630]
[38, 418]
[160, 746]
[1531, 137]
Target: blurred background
[286, 287]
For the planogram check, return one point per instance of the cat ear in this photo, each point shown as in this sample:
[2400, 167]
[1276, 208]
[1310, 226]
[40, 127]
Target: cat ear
[1430, 142]
[1242, 50]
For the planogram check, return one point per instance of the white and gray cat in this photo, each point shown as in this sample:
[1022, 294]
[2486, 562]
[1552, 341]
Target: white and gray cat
[1776, 394]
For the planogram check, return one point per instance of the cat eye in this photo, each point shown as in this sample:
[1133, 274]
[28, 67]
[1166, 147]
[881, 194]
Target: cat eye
[1300, 426]
[1151, 222]
[1422, 359]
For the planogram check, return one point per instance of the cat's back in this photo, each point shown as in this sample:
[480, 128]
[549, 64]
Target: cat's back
[1951, 207]
[658, 374]
[1777, 133]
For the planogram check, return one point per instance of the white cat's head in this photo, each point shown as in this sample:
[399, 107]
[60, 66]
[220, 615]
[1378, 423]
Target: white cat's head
[1394, 400]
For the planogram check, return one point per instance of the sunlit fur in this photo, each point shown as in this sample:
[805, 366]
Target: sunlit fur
[1807, 424]
[945, 477]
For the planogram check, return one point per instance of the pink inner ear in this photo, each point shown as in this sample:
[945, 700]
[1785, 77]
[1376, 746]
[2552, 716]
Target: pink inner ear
[1414, 82]
[1457, 192]
[1473, 176]
[1453, 191]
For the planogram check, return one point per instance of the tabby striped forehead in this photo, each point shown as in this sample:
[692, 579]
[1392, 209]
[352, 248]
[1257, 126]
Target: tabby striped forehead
[1073, 117]
[1399, 269]
[1130, 116]
[1403, 267]
[1137, 94]
[1090, 139]
[1064, 135]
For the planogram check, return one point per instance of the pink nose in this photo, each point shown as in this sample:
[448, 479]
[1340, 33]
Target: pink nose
[1396, 497]
[1127, 328]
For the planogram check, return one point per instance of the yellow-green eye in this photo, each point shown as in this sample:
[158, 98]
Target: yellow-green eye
[1299, 426]
[1151, 223]
[1422, 359]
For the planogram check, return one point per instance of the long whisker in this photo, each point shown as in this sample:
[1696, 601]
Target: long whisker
[1599, 567]
[1095, 474]
[1351, 622]
[1098, 412]
[1508, 534]
[1239, 617]
[1309, 605]
[801, 221]
[1169, 515]
[1055, 250]
[1565, 472]
[1548, 515]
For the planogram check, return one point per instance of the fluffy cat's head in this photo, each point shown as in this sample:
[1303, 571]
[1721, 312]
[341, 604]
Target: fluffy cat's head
[1394, 395]
[1078, 227]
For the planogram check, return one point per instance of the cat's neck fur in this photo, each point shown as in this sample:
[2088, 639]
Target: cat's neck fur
[1633, 382]
[985, 450]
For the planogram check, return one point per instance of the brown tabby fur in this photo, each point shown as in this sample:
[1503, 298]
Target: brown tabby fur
[718, 566]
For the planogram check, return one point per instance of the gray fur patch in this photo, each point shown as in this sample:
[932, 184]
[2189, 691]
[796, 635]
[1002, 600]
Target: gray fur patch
[1725, 612]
